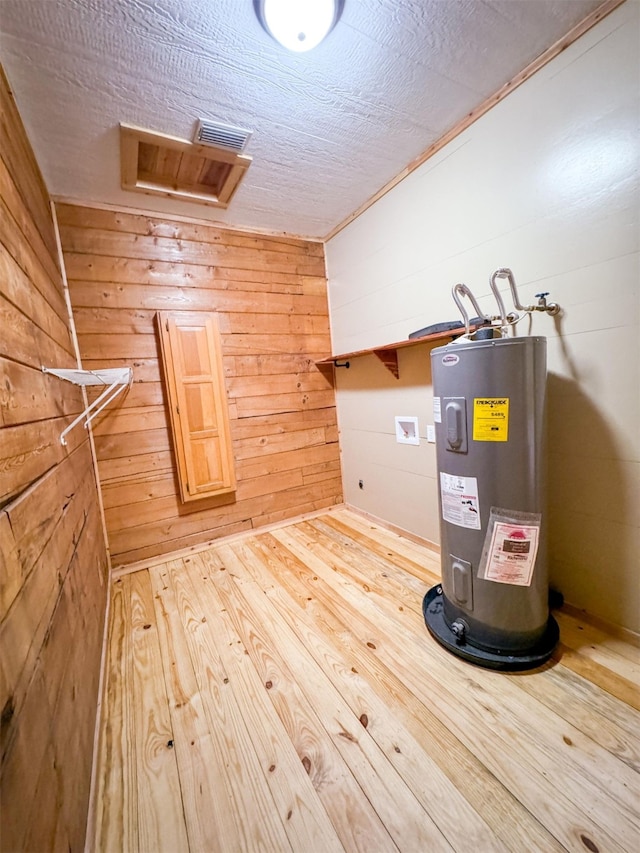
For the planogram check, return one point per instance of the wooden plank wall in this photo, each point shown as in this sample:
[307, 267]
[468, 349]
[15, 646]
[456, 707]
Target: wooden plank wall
[53, 561]
[270, 296]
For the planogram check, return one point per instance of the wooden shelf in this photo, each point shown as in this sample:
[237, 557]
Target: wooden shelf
[388, 354]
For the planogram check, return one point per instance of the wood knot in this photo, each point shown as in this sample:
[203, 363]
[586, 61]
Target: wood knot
[204, 619]
[589, 844]
[268, 684]
[371, 645]
[306, 763]
[364, 720]
[347, 735]
[7, 712]
[397, 748]
[289, 813]
[272, 768]
[567, 740]
[146, 627]
[225, 681]
[170, 744]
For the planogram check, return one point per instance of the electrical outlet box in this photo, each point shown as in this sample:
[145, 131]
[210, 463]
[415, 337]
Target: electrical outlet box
[431, 433]
[407, 430]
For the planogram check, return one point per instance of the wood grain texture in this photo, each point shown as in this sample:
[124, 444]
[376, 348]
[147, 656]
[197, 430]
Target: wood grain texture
[52, 557]
[305, 686]
[269, 297]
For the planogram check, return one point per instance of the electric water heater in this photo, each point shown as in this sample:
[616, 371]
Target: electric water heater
[491, 607]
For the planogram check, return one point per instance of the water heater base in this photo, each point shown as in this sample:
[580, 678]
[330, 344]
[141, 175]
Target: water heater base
[433, 610]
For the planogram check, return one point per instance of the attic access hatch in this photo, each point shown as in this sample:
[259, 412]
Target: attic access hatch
[157, 164]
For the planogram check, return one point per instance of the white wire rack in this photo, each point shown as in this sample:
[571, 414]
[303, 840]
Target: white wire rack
[115, 380]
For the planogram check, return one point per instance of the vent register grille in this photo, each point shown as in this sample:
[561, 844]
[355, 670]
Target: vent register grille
[221, 135]
[207, 170]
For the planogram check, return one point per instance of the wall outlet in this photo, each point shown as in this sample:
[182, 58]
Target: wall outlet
[407, 430]
[431, 433]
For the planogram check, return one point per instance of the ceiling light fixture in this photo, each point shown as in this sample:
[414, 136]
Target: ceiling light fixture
[298, 25]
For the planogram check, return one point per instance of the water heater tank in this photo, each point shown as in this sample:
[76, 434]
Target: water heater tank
[491, 607]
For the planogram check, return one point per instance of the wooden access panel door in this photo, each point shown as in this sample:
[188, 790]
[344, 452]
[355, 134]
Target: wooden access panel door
[192, 362]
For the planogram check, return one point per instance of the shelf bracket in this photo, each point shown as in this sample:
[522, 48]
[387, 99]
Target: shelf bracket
[389, 357]
[337, 363]
[116, 380]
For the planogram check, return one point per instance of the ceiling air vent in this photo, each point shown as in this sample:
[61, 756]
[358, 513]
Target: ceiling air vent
[221, 135]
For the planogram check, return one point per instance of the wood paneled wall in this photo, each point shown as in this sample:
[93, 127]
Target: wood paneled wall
[53, 560]
[270, 297]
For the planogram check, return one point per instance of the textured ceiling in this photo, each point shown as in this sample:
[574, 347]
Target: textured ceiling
[330, 127]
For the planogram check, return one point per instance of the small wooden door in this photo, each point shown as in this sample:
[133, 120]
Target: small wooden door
[192, 362]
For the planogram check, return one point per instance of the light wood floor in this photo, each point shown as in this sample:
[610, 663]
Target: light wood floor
[281, 693]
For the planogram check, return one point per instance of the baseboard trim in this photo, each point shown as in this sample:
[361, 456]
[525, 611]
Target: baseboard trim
[394, 528]
[150, 562]
[91, 810]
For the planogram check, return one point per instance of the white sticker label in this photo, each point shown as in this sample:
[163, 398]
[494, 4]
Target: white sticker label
[450, 360]
[512, 554]
[437, 411]
[460, 500]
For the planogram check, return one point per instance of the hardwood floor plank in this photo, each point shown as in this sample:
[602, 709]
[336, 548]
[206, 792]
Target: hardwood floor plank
[547, 728]
[568, 810]
[611, 724]
[406, 820]
[378, 575]
[160, 814]
[355, 822]
[580, 765]
[300, 810]
[410, 558]
[310, 710]
[419, 552]
[259, 825]
[623, 689]
[595, 644]
[207, 805]
[116, 799]
[511, 824]
[459, 823]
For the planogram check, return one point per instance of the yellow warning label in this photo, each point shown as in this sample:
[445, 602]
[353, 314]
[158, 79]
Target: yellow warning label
[491, 419]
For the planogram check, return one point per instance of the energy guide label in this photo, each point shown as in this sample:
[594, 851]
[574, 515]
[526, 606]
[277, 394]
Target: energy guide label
[491, 419]
[459, 497]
